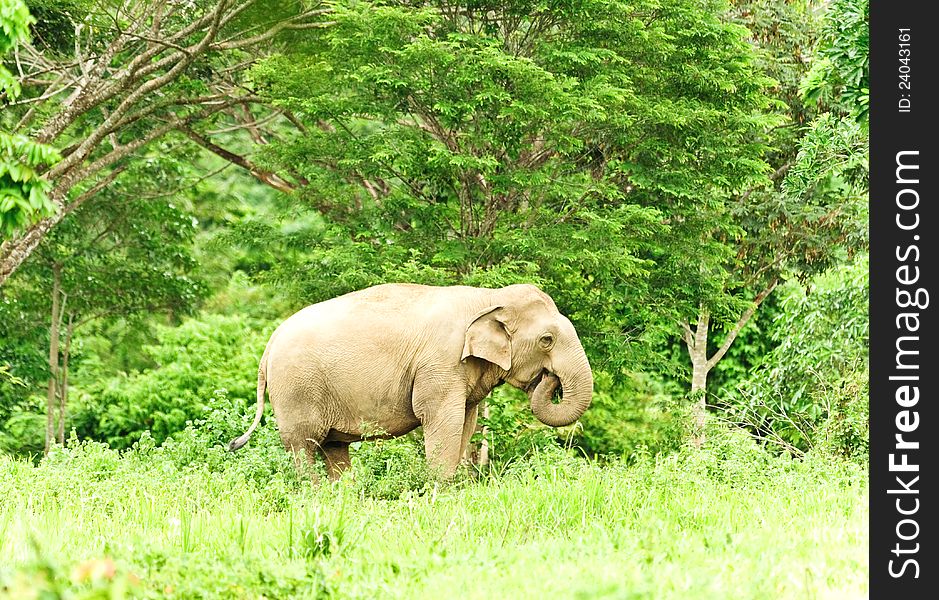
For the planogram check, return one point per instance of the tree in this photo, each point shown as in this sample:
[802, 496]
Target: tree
[105, 80]
[123, 253]
[570, 144]
[840, 76]
[809, 215]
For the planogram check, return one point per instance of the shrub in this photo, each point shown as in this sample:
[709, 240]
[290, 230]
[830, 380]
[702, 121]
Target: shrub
[634, 417]
[512, 430]
[846, 431]
[192, 362]
[630, 417]
[811, 390]
[390, 469]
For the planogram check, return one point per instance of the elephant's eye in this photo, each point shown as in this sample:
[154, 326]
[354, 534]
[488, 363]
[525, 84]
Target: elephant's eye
[546, 341]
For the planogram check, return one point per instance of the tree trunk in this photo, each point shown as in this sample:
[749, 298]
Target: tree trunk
[53, 356]
[699, 376]
[478, 456]
[701, 365]
[482, 458]
[63, 389]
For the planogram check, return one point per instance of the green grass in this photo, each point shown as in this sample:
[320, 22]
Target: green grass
[727, 522]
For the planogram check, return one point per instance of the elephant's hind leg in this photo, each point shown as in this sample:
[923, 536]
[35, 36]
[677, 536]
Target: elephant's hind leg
[336, 455]
[304, 441]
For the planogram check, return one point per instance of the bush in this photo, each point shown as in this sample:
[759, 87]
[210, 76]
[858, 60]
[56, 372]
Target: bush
[512, 430]
[846, 430]
[193, 362]
[812, 389]
[631, 418]
[390, 469]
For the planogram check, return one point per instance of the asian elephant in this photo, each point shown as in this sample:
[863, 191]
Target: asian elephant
[389, 358]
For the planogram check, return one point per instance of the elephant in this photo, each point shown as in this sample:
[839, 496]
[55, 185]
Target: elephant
[379, 362]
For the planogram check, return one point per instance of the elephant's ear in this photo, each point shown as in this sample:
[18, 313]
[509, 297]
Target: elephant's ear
[487, 337]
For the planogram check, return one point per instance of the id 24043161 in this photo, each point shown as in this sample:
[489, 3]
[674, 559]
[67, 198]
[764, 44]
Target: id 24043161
[904, 54]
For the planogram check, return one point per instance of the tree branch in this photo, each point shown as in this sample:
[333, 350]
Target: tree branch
[266, 177]
[687, 335]
[293, 23]
[741, 322]
[104, 128]
[93, 190]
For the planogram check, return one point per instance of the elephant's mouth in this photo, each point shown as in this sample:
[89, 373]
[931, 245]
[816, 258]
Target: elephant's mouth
[558, 392]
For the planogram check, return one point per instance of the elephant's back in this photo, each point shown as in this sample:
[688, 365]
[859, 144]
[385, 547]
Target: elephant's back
[378, 319]
[387, 304]
[375, 326]
[377, 303]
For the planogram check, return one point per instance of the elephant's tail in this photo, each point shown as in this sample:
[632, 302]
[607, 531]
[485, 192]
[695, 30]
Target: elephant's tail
[240, 441]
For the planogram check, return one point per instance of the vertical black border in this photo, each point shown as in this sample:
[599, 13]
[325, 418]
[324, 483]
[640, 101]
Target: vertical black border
[893, 131]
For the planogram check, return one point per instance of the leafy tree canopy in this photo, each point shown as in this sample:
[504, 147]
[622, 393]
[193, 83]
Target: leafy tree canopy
[578, 144]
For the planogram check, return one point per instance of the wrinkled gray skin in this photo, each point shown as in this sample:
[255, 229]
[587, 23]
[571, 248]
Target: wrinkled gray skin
[392, 357]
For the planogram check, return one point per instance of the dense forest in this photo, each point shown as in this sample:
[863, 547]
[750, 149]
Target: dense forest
[687, 179]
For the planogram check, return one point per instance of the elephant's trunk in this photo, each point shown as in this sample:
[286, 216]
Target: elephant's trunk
[576, 389]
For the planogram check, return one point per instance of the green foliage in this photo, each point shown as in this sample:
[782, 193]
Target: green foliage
[631, 419]
[846, 430]
[840, 75]
[24, 194]
[814, 216]
[390, 469]
[191, 363]
[8, 377]
[812, 212]
[636, 159]
[747, 351]
[574, 145]
[14, 29]
[812, 389]
[23, 337]
[122, 256]
[785, 33]
[513, 432]
[553, 524]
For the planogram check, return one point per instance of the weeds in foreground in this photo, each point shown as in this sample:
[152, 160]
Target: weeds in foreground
[178, 521]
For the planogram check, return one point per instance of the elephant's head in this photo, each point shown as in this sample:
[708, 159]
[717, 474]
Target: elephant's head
[538, 350]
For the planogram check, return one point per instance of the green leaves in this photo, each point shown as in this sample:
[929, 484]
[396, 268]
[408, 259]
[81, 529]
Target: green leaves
[191, 363]
[24, 195]
[14, 29]
[563, 143]
[816, 376]
[840, 77]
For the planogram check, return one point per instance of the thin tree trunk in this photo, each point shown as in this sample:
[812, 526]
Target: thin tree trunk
[63, 390]
[701, 365]
[478, 456]
[53, 356]
[699, 376]
[483, 457]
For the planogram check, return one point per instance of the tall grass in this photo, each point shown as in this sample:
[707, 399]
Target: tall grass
[728, 522]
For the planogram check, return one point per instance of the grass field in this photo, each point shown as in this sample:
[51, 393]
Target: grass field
[730, 521]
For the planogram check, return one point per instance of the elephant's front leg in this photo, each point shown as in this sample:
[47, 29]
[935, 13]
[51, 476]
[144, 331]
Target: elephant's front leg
[442, 437]
[442, 418]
